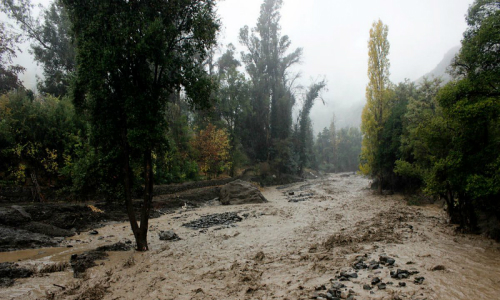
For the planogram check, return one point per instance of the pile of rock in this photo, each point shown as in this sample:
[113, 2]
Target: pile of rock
[362, 264]
[227, 218]
[337, 291]
[299, 198]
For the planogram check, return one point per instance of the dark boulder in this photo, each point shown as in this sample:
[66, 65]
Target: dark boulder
[168, 235]
[240, 192]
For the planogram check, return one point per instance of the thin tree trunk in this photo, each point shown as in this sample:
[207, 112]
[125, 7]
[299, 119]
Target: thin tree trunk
[128, 187]
[380, 184]
[142, 242]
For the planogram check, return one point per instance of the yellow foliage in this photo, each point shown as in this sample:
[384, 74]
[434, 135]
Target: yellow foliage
[50, 162]
[212, 146]
[378, 93]
[19, 173]
[95, 209]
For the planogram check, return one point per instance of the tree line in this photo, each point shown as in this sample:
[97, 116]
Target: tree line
[134, 94]
[439, 138]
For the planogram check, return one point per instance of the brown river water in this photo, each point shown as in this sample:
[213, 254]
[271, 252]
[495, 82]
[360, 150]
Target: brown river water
[280, 250]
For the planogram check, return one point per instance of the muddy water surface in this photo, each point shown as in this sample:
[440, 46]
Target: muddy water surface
[279, 250]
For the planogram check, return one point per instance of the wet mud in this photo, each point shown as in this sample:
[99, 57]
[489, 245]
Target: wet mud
[343, 240]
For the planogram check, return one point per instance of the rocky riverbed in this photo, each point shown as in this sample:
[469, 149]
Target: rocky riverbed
[328, 238]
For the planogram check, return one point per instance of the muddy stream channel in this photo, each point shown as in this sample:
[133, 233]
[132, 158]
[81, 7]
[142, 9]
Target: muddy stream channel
[328, 238]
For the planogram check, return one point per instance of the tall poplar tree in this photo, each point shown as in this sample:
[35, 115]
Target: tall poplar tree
[377, 107]
[267, 62]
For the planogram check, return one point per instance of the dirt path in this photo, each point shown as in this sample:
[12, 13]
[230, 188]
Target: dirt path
[282, 250]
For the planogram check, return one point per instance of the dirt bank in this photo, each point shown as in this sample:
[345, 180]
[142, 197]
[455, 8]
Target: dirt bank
[37, 225]
[296, 246]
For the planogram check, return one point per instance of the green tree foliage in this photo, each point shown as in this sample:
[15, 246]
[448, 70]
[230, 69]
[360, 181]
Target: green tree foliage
[175, 162]
[51, 46]
[376, 110]
[40, 135]
[452, 135]
[323, 150]
[338, 151]
[348, 149]
[233, 104]
[388, 151]
[131, 57]
[267, 63]
[305, 144]
[8, 73]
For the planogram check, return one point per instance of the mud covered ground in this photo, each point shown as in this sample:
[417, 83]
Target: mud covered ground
[333, 235]
[36, 225]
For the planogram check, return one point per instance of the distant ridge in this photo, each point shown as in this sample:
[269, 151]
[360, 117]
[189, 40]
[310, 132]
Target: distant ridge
[440, 69]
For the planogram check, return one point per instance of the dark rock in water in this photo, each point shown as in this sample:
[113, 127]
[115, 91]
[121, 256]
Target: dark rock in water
[318, 295]
[400, 274]
[344, 276]
[320, 288]
[94, 232]
[333, 294]
[337, 285]
[240, 192]
[214, 220]
[120, 246]
[438, 268]
[168, 235]
[367, 287]
[6, 282]
[291, 193]
[47, 229]
[387, 260]
[260, 257]
[12, 270]
[81, 262]
[382, 286]
[402, 284]
[359, 264]
[375, 281]
[419, 280]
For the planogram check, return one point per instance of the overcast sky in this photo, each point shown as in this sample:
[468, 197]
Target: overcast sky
[334, 35]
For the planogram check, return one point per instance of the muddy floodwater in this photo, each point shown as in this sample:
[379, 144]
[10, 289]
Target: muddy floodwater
[331, 232]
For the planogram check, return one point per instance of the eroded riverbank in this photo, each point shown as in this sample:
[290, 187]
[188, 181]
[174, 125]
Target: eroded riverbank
[280, 250]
